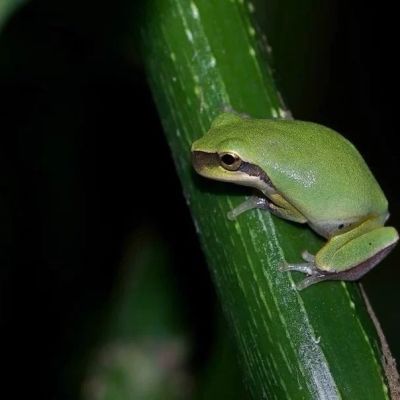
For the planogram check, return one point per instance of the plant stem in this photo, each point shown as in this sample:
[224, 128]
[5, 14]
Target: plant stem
[317, 344]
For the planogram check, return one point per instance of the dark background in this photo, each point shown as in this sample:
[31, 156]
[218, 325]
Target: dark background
[84, 164]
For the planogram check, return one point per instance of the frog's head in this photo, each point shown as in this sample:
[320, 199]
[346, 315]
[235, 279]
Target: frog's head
[223, 154]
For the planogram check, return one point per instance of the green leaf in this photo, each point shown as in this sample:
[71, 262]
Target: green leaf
[317, 344]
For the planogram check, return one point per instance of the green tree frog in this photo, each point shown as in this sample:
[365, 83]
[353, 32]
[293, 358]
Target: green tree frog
[306, 173]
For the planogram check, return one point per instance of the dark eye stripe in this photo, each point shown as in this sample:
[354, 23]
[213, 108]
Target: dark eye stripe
[253, 170]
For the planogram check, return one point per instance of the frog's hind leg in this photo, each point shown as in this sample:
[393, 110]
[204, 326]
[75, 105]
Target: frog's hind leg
[365, 245]
[348, 256]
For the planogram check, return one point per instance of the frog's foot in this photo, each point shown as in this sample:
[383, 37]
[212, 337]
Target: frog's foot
[249, 204]
[309, 268]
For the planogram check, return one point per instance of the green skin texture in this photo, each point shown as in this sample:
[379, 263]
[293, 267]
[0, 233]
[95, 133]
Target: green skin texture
[315, 176]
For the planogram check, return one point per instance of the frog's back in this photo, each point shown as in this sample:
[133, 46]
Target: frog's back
[314, 166]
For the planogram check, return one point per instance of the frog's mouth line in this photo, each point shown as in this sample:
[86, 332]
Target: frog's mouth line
[203, 161]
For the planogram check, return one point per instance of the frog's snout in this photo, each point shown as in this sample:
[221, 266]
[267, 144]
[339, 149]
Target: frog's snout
[202, 160]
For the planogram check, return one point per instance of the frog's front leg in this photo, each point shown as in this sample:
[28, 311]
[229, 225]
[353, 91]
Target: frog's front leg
[347, 256]
[249, 204]
[278, 206]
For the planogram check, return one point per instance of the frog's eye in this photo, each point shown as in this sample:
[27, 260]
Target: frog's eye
[230, 161]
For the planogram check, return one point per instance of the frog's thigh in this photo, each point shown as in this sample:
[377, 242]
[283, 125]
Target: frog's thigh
[281, 208]
[357, 251]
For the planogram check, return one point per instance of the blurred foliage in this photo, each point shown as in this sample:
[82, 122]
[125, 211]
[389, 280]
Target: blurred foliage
[144, 348]
[7, 7]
